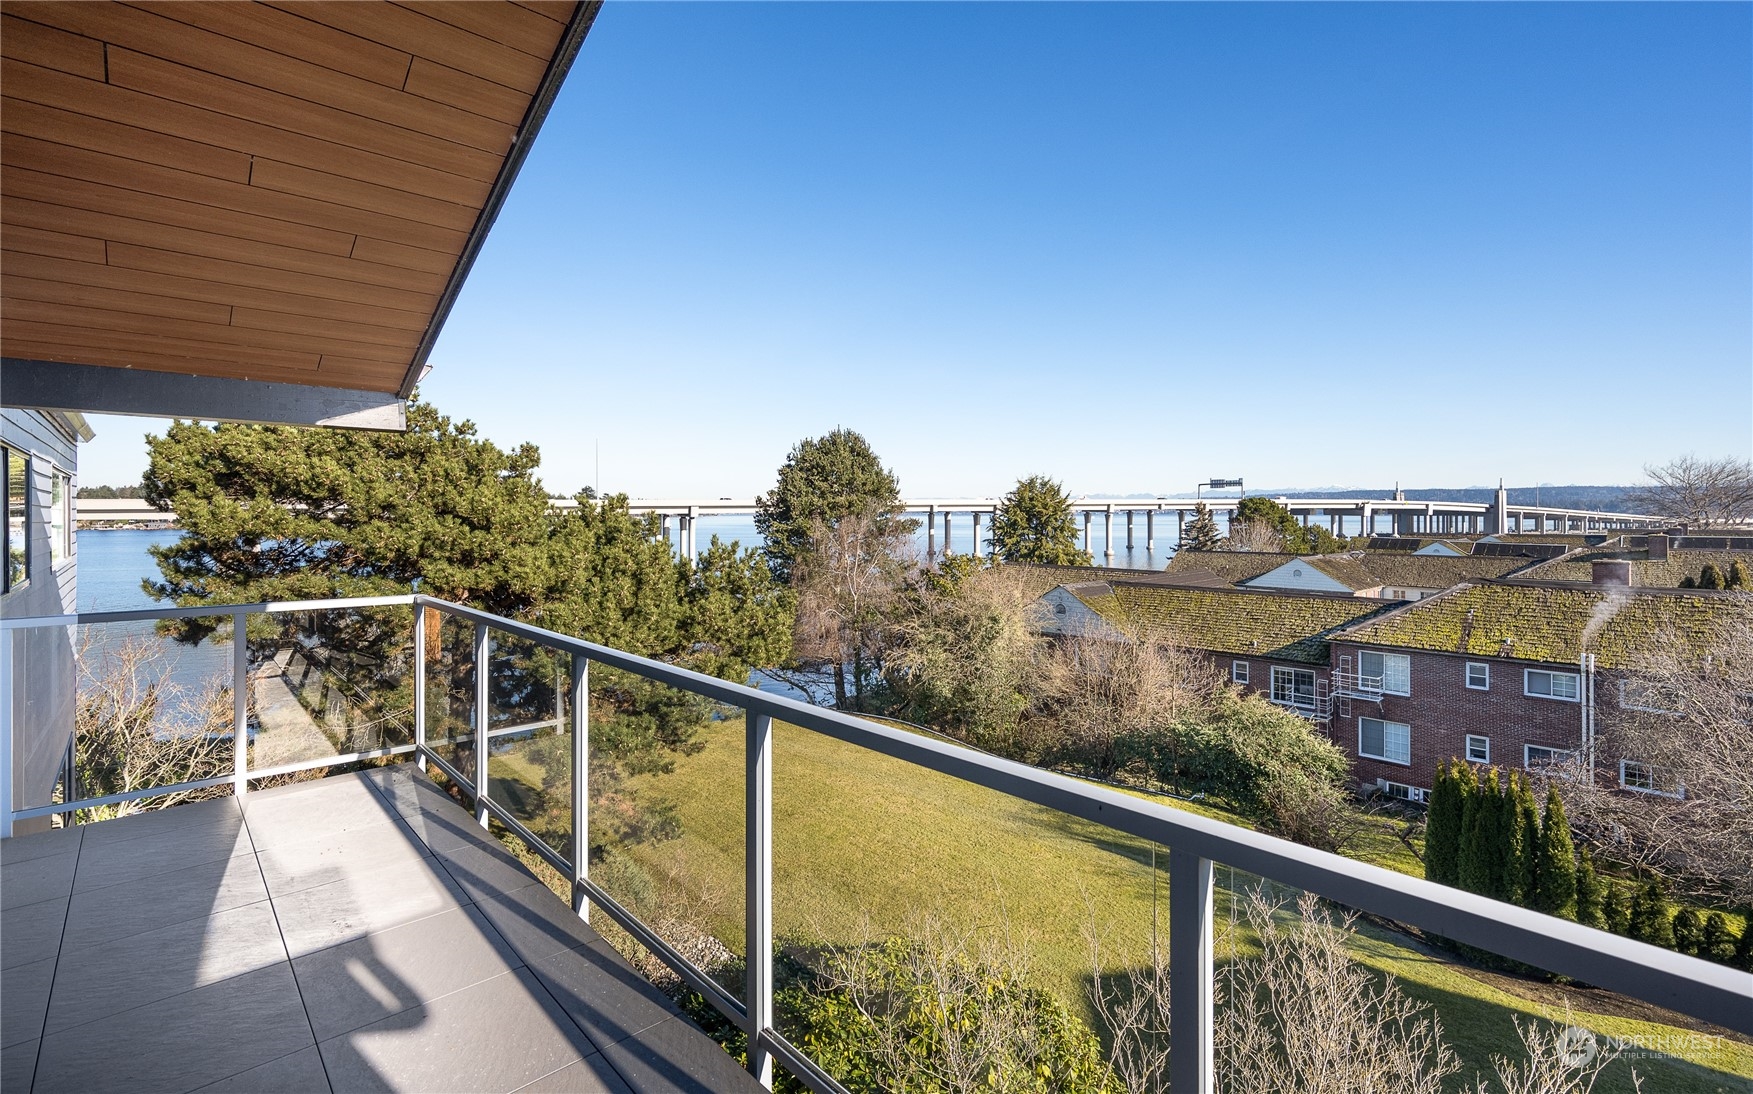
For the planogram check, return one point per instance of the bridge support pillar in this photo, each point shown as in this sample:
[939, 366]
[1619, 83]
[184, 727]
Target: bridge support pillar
[1108, 533]
[1150, 531]
[931, 531]
[975, 517]
[1180, 527]
[1129, 530]
[948, 544]
[1086, 534]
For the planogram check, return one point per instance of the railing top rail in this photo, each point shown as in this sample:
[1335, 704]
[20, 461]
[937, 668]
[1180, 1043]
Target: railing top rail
[137, 615]
[1702, 989]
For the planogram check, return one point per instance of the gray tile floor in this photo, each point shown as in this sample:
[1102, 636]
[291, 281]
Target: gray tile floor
[350, 934]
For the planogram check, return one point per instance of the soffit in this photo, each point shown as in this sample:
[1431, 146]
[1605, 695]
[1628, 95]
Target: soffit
[279, 192]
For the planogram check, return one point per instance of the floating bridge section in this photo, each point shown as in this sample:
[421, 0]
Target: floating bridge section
[1349, 516]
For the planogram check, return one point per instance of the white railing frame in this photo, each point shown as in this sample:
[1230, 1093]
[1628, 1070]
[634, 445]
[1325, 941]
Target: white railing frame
[1701, 989]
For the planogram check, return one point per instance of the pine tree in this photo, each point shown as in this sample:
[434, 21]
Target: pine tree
[1200, 533]
[1689, 582]
[1688, 931]
[1651, 919]
[1743, 954]
[1614, 913]
[1710, 577]
[1035, 524]
[1478, 871]
[1556, 885]
[1716, 943]
[1590, 893]
[1739, 577]
[1442, 826]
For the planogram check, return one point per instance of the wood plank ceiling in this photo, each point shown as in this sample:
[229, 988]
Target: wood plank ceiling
[256, 191]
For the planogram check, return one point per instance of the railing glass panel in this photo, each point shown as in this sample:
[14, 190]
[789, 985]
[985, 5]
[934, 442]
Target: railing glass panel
[667, 816]
[450, 690]
[152, 706]
[530, 755]
[329, 682]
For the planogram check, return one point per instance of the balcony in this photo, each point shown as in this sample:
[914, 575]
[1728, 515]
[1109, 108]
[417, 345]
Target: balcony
[367, 932]
[1355, 685]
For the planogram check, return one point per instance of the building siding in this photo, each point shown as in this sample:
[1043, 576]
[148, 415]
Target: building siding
[44, 669]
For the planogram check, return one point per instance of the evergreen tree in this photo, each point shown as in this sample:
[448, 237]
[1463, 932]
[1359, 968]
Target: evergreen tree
[1688, 931]
[1442, 826]
[1590, 894]
[1481, 842]
[1689, 582]
[1525, 845]
[1200, 533]
[1556, 885]
[1651, 920]
[1739, 577]
[1034, 523]
[1615, 916]
[823, 481]
[1710, 577]
[1716, 943]
[1743, 954]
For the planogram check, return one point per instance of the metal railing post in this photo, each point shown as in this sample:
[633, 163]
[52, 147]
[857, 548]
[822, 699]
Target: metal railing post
[7, 698]
[1190, 973]
[759, 893]
[483, 643]
[240, 705]
[580, 784]
[420, 687]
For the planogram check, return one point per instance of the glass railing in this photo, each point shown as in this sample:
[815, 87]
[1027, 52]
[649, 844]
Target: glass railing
[783, 860]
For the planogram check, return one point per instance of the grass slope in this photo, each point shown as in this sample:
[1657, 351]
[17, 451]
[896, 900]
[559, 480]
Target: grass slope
[864, 844]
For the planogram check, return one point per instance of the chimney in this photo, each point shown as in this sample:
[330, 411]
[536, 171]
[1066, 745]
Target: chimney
[1614, 572]
[1658, 546]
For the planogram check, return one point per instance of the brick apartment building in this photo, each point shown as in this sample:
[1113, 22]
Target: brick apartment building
[1514, 673]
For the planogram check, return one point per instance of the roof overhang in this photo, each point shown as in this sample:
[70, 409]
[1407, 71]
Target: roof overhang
[255, 212]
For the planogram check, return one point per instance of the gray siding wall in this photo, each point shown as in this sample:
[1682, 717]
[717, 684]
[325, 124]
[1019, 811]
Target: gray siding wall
[44, 673]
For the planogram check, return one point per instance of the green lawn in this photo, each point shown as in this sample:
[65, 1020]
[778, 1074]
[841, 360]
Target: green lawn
[865, 844]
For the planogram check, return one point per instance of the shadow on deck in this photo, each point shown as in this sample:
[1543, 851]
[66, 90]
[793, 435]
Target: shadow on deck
[359, 932]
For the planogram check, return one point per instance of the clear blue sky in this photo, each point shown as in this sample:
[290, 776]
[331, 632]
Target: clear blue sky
[1130, 246]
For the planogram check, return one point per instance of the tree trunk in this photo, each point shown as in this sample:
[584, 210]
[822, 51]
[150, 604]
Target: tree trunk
[839, 686]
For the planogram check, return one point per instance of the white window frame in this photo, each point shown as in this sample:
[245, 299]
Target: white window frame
[1485, 748]
[8, 582]
[1554, 756]
[1650, 771]
[1292, 701]
[1384, 758]
[60, 518]
[1405, 792]
[1484, 683]
[1239, 672]
[1387, 658]
[1552, 675]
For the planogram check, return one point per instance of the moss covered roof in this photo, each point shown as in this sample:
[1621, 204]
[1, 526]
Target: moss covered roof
[1644, 572]
[1233, 621]
[1231, 566]
[1547, 623]
[1042, 578]
[1437, 571]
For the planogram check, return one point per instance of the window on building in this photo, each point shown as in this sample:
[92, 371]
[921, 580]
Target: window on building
[17, 518]
[1648, 779]
[1550, 685]
[1478, 676]
[1239, 671]
[1403, 791]
[1293, 687]
[1535, 757]
[1478, 749]
[1379, 740]
[60, 518]
[1395, 670]
[1645, 696]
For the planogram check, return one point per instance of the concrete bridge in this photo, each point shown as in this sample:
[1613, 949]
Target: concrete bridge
[1342, 516]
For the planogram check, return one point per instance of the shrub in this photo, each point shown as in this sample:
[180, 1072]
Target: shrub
[1591, 895]
[1556, 890]
[1710, 577]
[1715, 943]
[1615, 914]
[1442, 826]
[1688, 932]
[1650, 919]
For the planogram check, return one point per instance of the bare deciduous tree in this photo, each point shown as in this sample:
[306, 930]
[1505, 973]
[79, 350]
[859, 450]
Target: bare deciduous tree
[1304, 1018]
[1253, 535]
[1697, 491]
[1103, 695]
[852, 572]
[1560, 1060]
[1693, 740]
[135, 727]
[1133, 1007]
